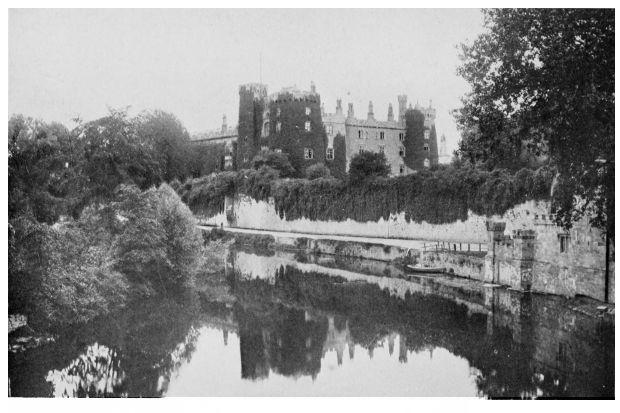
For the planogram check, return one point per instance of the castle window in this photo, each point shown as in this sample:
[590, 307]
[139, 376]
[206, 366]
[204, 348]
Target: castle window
[564, 242]
[365, 134]
[264, 148]
[401, 137]
[427, 163]
[330, 153]
[382, 148]
[308, 153]
[307, 111]
[426, 148]
[401, 151]
[359, 134]
[402, 169]
[278, 111]
[279, 127]
[381, 135]
[330, 130]
[245, 159]
[307, 126]
[361, 149]
[266, 129]
[277, 150]
[426, 134]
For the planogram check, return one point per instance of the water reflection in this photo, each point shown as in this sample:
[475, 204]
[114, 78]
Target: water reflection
[325, 326]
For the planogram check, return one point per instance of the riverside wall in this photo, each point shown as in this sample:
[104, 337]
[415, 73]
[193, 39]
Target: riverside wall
[523, 248]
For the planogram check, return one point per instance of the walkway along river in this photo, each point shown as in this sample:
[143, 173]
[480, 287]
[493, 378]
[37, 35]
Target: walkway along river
[296, 324]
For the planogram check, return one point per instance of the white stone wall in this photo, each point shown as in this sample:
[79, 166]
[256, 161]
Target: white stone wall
[261, 215]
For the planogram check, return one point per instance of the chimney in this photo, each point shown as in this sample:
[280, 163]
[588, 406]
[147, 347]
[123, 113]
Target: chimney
[350, 113]
[390, 113]
[339, 106]
[371, 113]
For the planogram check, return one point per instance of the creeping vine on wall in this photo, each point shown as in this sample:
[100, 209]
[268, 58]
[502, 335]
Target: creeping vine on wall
[438, 196]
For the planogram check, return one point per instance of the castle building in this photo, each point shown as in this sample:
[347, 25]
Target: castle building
[224, 139]
[294, 122]
[390, 136]
[287, 121]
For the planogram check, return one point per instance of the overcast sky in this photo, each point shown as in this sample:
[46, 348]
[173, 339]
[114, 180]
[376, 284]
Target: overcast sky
[64, 63]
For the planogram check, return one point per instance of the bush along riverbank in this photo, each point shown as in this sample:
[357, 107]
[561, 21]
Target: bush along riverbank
[457, 190]
[140, 244]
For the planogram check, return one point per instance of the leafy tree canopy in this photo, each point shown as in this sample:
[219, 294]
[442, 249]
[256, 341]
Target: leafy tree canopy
[367, 165]
[316, 171]
[543, 80]
[275, 160]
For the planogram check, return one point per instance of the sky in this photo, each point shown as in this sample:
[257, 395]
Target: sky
[65, 63]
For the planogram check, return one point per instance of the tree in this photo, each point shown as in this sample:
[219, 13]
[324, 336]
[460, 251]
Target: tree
[316, 171]
[114, 154]
[169, 140]
[158, 244]
[368, 165]
[40, 169]
[275, 160]
[543, 80]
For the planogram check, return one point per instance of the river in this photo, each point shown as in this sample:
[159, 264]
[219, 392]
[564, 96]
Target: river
[296, 325]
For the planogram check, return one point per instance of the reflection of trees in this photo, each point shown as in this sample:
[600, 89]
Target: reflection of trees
[504, 358]
[136, 352]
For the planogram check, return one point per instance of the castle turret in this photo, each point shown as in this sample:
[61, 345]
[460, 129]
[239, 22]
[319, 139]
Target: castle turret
[402, 107]
[224, 125]
[371, 112]
[339, 107]
[350, 113]
[312, 87]
[390, 117]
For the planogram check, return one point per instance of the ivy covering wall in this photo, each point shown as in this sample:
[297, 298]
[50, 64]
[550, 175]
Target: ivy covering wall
[292, 138]
[438, 196]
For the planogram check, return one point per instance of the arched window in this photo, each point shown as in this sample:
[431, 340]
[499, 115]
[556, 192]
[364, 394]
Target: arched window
[307, 126]
[266, 129]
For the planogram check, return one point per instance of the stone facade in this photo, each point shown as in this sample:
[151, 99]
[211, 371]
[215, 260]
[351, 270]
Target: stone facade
[388, 136]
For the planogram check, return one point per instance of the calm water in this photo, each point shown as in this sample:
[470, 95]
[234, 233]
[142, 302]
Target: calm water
[298, 325]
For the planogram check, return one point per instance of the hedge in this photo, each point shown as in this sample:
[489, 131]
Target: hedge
[438, 196]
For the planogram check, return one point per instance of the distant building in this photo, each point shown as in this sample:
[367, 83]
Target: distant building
[224, 139]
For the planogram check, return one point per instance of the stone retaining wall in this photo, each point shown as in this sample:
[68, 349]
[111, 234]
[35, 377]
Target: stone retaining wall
[526, 250]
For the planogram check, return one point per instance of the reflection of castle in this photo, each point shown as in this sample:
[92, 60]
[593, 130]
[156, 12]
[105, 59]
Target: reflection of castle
[516, 344]
[294, 121]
